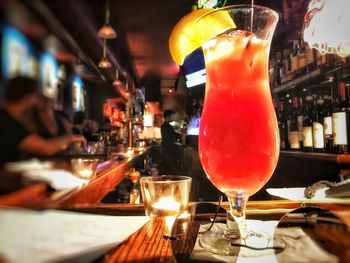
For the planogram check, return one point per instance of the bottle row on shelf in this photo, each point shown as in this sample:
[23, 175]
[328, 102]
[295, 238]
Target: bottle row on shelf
[297, 59]
[316, 120]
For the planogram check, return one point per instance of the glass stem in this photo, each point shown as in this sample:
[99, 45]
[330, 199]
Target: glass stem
[235, 225]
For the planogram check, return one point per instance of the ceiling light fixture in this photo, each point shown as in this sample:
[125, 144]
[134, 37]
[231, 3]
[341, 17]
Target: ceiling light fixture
[104, 63]
[107, 31]
[117, 81]
[326, 26]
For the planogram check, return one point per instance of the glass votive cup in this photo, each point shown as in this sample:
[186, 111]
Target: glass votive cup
[165, 195]
[95, 148]
[84, 168]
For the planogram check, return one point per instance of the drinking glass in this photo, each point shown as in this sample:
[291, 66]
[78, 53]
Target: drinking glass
[165, 196]
[238, 136]
[84, 168]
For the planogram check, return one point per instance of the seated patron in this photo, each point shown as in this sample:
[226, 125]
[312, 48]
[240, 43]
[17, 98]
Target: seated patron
[20, 96]
[47, 123]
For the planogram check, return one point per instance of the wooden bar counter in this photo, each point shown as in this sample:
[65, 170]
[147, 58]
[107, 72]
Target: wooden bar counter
[111, 171]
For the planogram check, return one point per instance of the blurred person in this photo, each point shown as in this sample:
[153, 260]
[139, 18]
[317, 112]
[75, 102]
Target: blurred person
[79, 122]
[68, 125]
[20, 96]
[47, 123]
[91, 131]
[170, 145]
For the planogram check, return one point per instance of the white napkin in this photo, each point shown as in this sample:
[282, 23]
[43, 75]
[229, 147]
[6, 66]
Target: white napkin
[297, 193]
[58, 179]
[299, 247]
[52, 235]
[32, 164]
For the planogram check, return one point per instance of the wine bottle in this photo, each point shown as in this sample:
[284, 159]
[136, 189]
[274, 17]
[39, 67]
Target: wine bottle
[340, 115]
[294, 141]
[317, 126]
[301, 54]
[280, 68]
[282, 125]
[300, 118]
[307, 125]
[327, 124]
[294, 57]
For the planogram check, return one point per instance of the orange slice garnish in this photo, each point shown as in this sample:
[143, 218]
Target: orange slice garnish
[187, 35]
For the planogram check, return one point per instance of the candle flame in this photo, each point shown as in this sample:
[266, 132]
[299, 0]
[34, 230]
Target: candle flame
[167, 203]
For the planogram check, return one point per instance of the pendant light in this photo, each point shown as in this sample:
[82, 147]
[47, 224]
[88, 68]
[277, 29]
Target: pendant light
[104, 63]
[117, 81]
[107, 31]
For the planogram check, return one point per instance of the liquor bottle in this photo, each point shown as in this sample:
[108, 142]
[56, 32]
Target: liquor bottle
[134, 196]
[309, 55]
[339, 121]
[317, 126]
[307, 125]
[293, 137]
[300, 118]
[280, 68]
[294, 57]
[321, 59]
[301, 54]
[286, 60]
[282, 125]
[327, 123]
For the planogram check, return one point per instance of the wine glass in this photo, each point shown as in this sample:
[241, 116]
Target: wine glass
[238, 136]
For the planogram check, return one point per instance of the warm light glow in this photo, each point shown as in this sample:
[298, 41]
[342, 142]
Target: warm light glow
[86, 173]
[168, 204]
[130, 152]
[84, 168]
[327, 26]
[184, 215]
[148, 120]
[104, 63]
[107, 31]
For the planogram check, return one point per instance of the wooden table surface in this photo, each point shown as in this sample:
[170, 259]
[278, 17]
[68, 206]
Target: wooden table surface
[149, 245]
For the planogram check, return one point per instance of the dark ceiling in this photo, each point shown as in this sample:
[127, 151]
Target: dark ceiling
[143, 28]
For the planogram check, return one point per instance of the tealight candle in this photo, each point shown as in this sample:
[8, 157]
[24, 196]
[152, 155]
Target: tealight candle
[165, 196]
[86, 173]
[84, 168]
[166, 206]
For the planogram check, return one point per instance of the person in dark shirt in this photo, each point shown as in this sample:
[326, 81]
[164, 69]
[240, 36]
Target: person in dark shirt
[170, 145]
[20, 97]
[79, 122]
[47, 123]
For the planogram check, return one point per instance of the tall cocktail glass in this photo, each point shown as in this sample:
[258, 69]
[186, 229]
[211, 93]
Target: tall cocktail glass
[238, 137]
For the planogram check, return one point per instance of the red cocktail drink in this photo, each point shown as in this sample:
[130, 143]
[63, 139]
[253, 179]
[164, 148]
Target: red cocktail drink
[238, 134]
[238, 138]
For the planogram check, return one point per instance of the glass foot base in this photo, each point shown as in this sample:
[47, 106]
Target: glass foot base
[254, 245]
